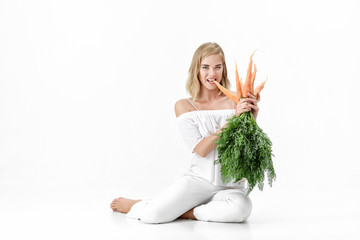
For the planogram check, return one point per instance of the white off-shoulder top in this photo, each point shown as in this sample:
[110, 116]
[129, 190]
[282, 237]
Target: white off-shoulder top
[197, 125]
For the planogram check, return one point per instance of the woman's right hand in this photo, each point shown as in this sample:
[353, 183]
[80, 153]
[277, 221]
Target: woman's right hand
[242, 106]
[248, 104]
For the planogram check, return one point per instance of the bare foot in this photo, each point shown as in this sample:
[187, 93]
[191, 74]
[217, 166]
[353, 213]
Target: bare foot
[122, 205]
[189, 215]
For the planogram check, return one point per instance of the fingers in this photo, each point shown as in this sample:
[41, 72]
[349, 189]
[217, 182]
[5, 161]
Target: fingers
[249, 101]
[244, 103]
[251, 96]
[243, 107]
[256, 108]
[248, 104]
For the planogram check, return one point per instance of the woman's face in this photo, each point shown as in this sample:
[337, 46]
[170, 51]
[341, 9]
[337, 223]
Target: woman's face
[211, 68]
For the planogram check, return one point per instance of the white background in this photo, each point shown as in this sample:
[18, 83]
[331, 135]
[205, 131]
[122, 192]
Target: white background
[87, 93]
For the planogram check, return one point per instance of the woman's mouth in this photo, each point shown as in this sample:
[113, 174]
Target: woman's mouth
[211, 80]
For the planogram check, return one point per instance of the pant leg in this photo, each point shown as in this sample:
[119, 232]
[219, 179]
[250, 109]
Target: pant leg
[230, 205]
[183, 195]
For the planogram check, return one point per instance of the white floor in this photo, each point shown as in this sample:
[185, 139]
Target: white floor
[322, 211]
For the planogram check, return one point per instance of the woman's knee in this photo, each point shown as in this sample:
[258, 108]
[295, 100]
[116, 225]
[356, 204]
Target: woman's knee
[240, 206]
[231, 207]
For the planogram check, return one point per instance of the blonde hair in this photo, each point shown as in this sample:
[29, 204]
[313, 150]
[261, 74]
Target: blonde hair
[193, 83]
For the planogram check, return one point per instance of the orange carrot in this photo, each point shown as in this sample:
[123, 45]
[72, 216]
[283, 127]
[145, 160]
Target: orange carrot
[242, 86]
[227, 92]
[259, 88]
[238, 84]
[253, 79]
[247, 85]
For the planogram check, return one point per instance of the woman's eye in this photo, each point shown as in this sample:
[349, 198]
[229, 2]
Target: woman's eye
[203, 67]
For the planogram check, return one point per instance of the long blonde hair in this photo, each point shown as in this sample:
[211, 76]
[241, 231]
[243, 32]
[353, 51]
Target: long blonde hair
[193, 83]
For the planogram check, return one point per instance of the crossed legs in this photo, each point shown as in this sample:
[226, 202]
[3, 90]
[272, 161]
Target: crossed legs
[205, 201]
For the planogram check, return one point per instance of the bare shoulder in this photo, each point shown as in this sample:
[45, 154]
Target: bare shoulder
[182, 106]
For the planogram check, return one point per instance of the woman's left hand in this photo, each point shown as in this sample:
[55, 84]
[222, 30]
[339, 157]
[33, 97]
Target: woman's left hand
[252, 103]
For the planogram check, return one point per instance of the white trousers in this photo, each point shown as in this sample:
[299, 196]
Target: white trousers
[210, 203]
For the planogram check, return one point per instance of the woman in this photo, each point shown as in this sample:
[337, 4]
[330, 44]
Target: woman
[200, 194]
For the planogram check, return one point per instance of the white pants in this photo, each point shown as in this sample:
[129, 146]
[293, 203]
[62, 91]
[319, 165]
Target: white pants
[210, 203]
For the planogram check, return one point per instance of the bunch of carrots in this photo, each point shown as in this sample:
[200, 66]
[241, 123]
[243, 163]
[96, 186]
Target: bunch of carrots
[241, 89]
[244, 150]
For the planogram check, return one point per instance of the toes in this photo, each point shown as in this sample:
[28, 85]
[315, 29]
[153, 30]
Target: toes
[113, 207]
[114, 203]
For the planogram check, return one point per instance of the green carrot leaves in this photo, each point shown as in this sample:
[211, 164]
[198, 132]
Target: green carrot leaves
[244, 151]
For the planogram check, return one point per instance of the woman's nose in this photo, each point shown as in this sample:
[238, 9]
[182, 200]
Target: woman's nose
[212, 72]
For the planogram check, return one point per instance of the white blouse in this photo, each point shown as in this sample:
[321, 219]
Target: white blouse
[197, 125]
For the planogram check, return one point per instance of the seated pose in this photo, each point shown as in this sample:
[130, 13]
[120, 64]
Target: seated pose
[200, 193]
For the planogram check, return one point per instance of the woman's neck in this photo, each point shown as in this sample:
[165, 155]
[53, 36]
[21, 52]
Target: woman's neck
[207, 95]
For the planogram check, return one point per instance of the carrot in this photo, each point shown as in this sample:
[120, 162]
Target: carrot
[227, 92]
[242, 86]
[259, 88]
[247, 85]
[253, 79]
[238, 84]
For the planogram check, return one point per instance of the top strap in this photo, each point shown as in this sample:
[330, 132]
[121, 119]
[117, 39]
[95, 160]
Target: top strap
[192, 104]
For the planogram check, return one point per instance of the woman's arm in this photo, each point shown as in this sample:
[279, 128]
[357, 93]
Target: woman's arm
[205, 146]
